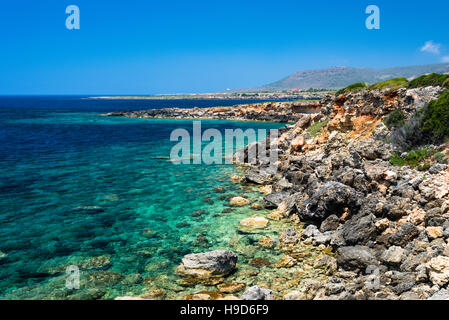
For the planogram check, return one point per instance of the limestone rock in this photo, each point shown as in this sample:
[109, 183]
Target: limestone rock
[439, 270]
[254, 222]
[257, 293]
[215, 263]
[238, 202]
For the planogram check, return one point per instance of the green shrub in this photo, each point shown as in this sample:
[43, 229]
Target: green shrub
[352, 87]
[424, 167]
[395, 83]
[440, 158]
[395, 119]
[433, 79]
[316, 128]
[396, 160]
[435, 118]
[413, 159]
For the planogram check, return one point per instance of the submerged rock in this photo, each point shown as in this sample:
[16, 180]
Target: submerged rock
[88, 209]
[260, 262]
[254, 222]
[231, 287]
[238, 202]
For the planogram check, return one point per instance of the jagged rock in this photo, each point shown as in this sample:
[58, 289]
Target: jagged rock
[326, 262]
[332, 198]
[406, 233]
[289, 237]
[437, 168]
[358, 230]
[257, 293]
[439, 270]
[286, 262]
[258, 176]
[394, 255]
[298, 143]
[273, 200]
[396, 207]
[215, 263]
[373, 149]
[357, 257]
[434, 232]
[310, 231]
[294, 295]
[331, 223]
[434, 217]
[442, 294]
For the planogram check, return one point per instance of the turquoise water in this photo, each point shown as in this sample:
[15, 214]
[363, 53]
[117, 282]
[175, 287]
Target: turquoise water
[75, 186]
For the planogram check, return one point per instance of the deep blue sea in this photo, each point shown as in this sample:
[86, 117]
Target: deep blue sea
[100, 193]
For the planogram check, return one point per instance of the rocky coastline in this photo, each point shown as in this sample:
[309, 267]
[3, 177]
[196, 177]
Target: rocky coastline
[268, 111]
[380, 230]
[387, 225]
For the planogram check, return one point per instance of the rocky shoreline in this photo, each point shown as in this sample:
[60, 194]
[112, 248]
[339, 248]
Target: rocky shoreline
[381, 230]
[268, 111]
[388, 225]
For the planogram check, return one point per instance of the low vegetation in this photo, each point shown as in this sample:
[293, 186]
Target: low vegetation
[433, 79]
[429, 125]
[441, 158]
[353, 87]
[415, 159]
[435, 118]
[396, 83]
[395, 119]
[315, 129]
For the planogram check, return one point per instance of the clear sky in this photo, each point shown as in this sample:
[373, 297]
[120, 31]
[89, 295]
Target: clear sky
[180, 46]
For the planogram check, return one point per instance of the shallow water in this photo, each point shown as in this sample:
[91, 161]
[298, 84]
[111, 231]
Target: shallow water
[75, 186]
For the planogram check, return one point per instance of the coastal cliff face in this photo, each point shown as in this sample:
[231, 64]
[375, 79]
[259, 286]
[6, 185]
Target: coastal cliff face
[338, 178]
[268, 111]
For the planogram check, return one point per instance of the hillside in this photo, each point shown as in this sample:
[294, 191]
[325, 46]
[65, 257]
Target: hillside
[338, 77]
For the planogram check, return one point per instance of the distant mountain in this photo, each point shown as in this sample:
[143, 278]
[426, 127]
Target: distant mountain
[339, 77]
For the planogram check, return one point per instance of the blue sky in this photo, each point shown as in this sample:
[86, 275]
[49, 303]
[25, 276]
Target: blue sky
[150, 47]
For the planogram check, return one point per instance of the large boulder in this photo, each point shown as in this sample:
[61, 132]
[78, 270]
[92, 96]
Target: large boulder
[332, 198]
[215, 263]
[358, 230]
[357, 257]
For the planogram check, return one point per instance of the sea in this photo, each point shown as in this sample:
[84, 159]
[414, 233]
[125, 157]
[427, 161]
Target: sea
[97, 199]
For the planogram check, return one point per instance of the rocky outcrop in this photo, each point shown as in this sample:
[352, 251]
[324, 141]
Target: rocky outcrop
[267, 111]
[387, 225]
